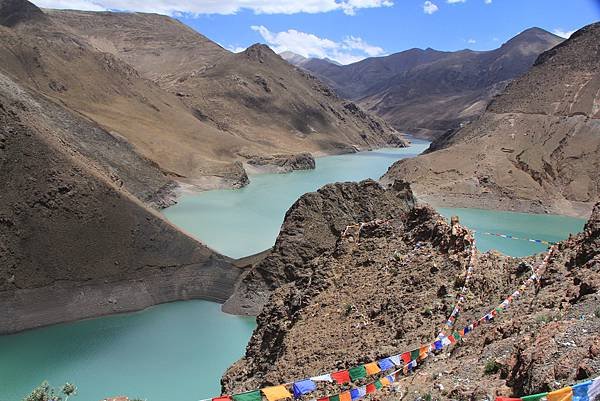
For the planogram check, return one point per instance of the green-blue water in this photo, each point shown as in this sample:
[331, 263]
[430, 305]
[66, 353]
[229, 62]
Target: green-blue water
[523, 225]
[178, 351]
[242, 222]
[171, 352]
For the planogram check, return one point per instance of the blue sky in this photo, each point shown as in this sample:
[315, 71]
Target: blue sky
[348, 30]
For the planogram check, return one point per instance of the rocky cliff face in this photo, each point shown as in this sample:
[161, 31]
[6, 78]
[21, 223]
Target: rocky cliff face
[535, 148]
[311, 227]
[390, 286]
[427, 92]
[76, 241]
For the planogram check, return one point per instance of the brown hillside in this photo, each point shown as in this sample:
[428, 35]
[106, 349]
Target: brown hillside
[537, 147]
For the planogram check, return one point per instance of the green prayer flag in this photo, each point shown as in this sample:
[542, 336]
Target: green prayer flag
[498, 309]
[249, 396]
[456, 335]
[414, 354]
[358, 372]
[535, 397]
[334, 397]
[378, 384]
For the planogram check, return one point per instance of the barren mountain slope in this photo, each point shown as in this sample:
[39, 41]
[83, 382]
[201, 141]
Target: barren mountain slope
[389, 287]
[427, 92]
[47, 58]
[537, 147]
[74, 240]
[254, 96]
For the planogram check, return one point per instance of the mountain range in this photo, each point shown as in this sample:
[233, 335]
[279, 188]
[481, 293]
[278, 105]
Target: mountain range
[536, 146]
[427, 92]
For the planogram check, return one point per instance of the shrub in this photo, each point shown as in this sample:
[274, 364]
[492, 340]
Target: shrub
[492, 367]
[44, 392]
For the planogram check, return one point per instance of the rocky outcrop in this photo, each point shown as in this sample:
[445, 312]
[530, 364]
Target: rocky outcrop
[389, 285]
[281, 163]
[311, 227]
[535, 148]
[76, 241]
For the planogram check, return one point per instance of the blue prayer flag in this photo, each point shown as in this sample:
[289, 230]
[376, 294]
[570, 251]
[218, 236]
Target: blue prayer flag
[355, 394]
[385, 364]
[580, 391]
[438, 344]
[304, 387]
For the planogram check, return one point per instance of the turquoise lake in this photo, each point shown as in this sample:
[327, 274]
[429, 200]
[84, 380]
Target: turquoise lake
[178, 351]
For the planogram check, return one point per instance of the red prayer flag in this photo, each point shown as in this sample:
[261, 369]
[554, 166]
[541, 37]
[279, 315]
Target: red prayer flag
[324, 399]
[371, 388]
[406, 358]
[343, 376]
[452, 339]
[222, 398]
[507, 399]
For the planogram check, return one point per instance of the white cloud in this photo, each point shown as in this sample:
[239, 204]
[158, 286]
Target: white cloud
[429, 7]
[562, 33]
[455, 1]
[350, 50]
[487, 1]
[235, 49]
[172, 7]
[471, 41]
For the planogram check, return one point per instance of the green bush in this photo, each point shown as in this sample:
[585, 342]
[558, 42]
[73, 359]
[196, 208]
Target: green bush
[44, 392]
[491, 367]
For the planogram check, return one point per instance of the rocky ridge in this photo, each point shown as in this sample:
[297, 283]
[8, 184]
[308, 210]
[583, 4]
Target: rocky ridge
[389, 286]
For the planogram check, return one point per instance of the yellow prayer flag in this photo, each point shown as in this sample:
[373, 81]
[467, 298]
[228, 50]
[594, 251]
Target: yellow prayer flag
[385, 381]
[345, 396]
[372, 368]
[276, 393]
[564, 394]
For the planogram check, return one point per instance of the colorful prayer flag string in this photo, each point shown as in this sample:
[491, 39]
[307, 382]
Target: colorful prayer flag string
[407, 361]
[588, 390]
[508, 236]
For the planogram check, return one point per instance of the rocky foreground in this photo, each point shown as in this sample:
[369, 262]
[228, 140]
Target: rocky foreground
[366, 293]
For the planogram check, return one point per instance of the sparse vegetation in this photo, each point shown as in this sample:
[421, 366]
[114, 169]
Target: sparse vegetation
[44, 392]
[544, 319]
[597, 313]
[491, 367]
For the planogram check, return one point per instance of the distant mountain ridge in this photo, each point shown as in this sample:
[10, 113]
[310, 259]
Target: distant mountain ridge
[426, 92]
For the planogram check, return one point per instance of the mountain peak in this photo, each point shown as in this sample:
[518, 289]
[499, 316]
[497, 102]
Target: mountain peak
[259, 52]
[14, 12]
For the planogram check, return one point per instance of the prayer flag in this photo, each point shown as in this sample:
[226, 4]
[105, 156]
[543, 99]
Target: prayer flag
[354, 394]
[385, 381]
[456, 335]
[249, 396]
[345, 396]
[372, 368]
[396, 360]
[226, 398]
[378, 384]
[276, 393]
[594, 391]
[341, 377]
[452, 339]
[322, 378]
[324, 399]
[371, 388]
[423, 351]
[303, 387]
[564, 394]
[334, 397]
[414, 354]
[535, 397]
[446, 341]
[406, 358]
[358, 372]
[390, 378]
[438, 345]
[580, 391]
[386, 363]
[362, 390]
[507, 399]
